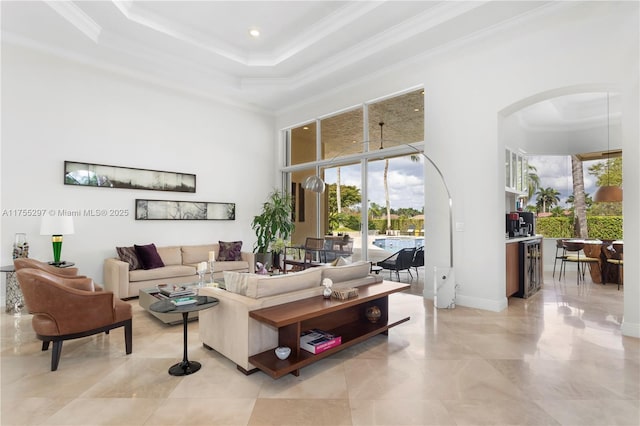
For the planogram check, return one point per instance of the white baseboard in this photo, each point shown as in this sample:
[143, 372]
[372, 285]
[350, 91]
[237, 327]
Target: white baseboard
[630, 329]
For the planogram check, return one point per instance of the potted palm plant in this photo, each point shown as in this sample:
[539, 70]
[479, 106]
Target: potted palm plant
[273, 223]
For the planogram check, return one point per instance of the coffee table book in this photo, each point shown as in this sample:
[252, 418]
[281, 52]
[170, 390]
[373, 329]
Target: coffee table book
[180, 292]
[180, 301]
[316, 341]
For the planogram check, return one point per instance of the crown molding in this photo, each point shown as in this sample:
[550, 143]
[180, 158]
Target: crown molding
[77, 18]
[214, 94]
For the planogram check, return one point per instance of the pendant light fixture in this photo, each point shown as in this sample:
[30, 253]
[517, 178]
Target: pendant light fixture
[608, 193]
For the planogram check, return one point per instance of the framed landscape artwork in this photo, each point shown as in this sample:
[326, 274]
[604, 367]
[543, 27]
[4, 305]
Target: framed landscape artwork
[103, 176]
[184, 210]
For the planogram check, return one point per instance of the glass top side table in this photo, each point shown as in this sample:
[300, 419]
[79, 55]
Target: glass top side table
[185, 367]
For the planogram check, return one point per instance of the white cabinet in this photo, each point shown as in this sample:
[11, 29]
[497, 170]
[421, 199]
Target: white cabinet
[516, 172]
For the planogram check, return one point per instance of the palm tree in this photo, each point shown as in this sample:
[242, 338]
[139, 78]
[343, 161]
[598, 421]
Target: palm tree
[386, 192]
[415, 158]
[533, 183]
[580, 205]
[375, 210]
[587, 199]
[557, 211]
[547, 197]
[338, 197]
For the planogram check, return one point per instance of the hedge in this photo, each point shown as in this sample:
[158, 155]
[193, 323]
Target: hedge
[600, 227]
[400, 224]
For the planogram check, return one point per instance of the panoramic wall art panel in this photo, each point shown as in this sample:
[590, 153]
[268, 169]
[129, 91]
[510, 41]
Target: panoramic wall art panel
[184, 210]
[103, 176]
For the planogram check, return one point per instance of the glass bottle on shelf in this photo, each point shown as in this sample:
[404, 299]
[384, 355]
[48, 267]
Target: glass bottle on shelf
[20, 246]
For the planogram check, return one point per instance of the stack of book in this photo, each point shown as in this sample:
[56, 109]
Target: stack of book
[316, 341]
[180, 301]
[177, 292]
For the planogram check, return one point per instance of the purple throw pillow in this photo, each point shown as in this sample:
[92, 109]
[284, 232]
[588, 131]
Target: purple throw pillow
[149, 257]
[230, 250]
[128, 254]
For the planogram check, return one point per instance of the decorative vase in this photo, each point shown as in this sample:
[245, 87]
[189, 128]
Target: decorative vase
[20, 246]
[373, 314]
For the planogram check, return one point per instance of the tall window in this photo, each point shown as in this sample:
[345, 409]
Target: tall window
[365, 165]
[302, 149]
[342, 134]
[402, 118]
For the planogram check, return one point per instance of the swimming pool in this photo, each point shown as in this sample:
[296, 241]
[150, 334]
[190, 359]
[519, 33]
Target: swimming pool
[397, 243]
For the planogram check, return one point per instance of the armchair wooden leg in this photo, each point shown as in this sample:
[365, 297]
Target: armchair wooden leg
[45, 345]
[55, 354]
[128, 336]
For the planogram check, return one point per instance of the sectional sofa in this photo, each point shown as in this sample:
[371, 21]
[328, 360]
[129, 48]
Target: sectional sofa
[227, 328]
[180, 264]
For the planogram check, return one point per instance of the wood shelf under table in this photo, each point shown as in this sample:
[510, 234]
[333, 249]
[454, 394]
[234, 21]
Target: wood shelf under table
[345, 318]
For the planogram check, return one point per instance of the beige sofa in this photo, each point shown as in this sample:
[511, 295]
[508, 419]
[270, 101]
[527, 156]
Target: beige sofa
[180, 268]
[227, 327]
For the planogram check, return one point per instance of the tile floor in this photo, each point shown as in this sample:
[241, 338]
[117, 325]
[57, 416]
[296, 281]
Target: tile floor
[556, 358]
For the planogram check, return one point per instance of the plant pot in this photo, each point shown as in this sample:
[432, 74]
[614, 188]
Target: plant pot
[276, 260]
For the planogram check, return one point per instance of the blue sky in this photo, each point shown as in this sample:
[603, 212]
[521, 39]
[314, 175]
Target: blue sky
[555, 172]
[406, 188]
[405, 181]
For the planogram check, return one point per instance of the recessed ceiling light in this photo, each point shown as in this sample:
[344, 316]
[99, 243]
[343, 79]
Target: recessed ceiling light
[254, 32]
[305, 128]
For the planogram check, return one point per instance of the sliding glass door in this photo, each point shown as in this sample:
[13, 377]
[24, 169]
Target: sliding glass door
[373, 177]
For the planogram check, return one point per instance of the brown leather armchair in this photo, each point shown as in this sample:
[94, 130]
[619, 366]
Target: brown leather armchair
[69, 308]
[24, 262]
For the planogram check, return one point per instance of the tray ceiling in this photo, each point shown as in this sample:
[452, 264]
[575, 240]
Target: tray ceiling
[204, 46]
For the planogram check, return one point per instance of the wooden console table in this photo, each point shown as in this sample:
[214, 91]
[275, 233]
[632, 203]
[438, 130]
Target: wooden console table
[345, 318]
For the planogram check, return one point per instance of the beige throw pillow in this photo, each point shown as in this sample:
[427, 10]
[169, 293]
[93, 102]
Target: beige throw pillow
[343, 261]
[236, 282]
[348, 272]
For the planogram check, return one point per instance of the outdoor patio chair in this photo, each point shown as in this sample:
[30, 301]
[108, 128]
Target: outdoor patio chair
[402, 260]
[418, 259]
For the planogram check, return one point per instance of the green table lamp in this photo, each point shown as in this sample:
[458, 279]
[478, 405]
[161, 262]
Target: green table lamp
[56, 226]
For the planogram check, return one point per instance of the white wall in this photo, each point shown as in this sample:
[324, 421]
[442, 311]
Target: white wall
[467, 90]
[54, 110]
